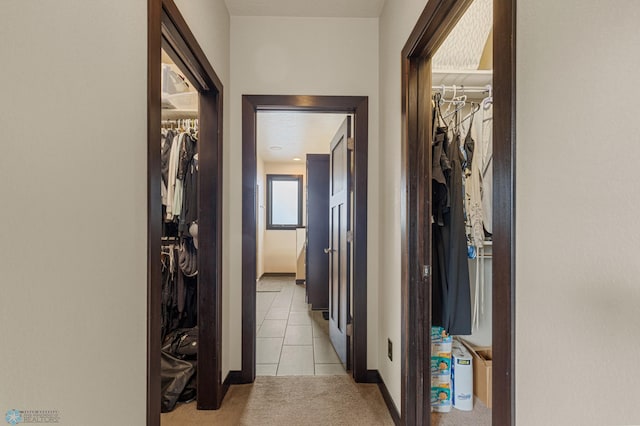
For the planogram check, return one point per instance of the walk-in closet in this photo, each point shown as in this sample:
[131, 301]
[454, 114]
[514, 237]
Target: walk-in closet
[460, 219]
[185, 220]
[179, 252]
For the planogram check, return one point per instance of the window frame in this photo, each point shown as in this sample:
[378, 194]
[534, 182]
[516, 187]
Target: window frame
[283, 178]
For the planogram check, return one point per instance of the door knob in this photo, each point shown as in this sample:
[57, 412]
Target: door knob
[328, 250]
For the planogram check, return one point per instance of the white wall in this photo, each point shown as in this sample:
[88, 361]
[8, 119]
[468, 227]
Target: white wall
[578, 201]
[482, 335]
[280, 251]
[304, 56]
[74, 217]
[577, 290]
[279, 248]
[396, 22]
[301, 254]
[209, 21]
[74, 279]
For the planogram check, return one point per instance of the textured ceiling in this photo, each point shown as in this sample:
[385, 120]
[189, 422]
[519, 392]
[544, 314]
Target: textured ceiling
[295, 134]
[463, 47]
[306, 8]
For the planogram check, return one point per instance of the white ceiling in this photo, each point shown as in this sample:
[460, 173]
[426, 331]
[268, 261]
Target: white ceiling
[306, 8]
[296, 134]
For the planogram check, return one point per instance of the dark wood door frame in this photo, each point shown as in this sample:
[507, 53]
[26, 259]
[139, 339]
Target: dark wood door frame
[168, 29]
[358, 106]
[435, 23]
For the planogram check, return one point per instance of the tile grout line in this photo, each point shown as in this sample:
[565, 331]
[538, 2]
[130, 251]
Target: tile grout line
[283, 337]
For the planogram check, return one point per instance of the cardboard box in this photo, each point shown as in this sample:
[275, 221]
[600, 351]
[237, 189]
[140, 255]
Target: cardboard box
[482, 372]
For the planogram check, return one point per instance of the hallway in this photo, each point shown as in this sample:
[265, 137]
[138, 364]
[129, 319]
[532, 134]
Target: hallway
[291, 340]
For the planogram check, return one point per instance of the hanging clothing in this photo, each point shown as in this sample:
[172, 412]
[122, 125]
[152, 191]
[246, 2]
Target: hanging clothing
[473, 211]
[179, 174]
[440, 204]
[179, 187]
[174, 157]
[179, 293]
[190, 208]
[473, 188]
[451, 300]
[458, 308]
[169, 295]
[483, 135]
[187, 173]
[165, 146]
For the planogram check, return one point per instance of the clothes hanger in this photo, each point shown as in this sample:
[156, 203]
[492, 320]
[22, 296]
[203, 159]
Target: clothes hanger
[459, 103]
[446, 112]
[474, 108]
[438, 101]
[441, 95]
[486, 102]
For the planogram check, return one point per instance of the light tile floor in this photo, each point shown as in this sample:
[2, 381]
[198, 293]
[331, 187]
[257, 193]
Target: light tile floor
[291, 340]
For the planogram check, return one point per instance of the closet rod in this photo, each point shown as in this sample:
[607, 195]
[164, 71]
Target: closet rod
[461, 90]
[178, 114]
[178, 120]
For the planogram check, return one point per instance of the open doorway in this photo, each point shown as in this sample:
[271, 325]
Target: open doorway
[460, 230]
[179, 242]
[357, 106]
[293, 313]
[169, 33]
[422, 95]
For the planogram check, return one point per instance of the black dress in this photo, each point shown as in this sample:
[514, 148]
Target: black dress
[451, 298]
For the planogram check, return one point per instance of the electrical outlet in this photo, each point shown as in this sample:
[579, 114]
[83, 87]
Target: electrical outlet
[389, 349]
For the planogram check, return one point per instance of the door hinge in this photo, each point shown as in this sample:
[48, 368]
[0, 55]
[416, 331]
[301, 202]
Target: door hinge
[349, 236]
[426, 271]
[350, 329]
[351, 144]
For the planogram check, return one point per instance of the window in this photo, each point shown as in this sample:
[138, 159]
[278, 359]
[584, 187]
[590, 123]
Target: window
[284, 201]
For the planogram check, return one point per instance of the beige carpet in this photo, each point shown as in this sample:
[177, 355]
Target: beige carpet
[480, 416]
[293, 400]
[309, 400]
